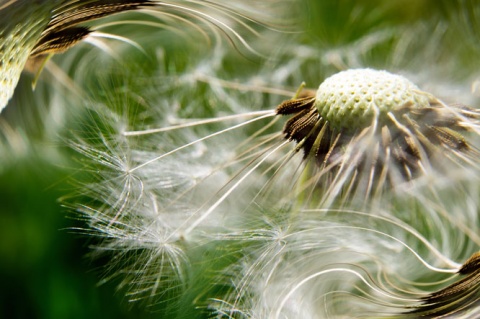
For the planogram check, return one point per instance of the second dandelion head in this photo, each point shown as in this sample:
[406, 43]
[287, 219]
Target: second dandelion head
[366, 128]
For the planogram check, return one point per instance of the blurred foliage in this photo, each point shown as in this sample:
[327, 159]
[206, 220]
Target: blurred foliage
[44, 270]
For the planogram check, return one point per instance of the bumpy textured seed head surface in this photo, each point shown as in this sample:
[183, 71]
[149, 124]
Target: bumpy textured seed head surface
[353, 99]
[21, 24]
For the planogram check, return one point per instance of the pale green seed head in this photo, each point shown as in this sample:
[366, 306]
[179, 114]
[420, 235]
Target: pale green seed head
[354, 99]
[21, 25]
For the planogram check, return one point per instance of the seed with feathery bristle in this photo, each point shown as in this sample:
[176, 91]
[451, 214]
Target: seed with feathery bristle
[471, 265]
[458, 296]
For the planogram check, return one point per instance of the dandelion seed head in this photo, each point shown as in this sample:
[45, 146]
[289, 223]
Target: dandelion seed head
[369, 131]
[354, 98]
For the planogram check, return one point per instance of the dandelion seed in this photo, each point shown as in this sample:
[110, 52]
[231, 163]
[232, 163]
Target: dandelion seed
[460, 297]
[471, 265]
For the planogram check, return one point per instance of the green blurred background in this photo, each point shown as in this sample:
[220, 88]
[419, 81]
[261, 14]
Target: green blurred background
[43, 265]
[44, 270]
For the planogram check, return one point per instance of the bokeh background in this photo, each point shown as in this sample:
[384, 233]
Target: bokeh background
[45, 270]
